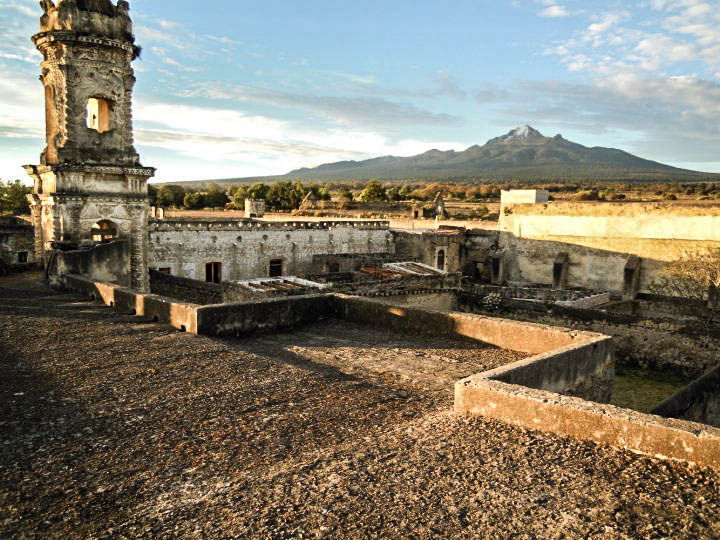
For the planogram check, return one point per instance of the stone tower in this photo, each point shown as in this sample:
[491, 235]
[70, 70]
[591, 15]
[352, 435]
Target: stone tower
[90, 185]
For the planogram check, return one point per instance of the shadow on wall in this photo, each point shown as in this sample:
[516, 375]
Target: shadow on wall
[566, 265]
[107, 262]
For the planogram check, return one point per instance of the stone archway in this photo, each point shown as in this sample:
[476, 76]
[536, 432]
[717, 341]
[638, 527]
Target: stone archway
[104, 230]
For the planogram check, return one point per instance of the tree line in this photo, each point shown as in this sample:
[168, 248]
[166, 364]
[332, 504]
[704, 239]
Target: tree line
[13, 198]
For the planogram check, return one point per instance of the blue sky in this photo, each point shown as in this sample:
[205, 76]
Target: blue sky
[238, 88]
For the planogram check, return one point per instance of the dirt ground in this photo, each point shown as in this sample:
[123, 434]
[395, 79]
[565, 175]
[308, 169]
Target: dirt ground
[111, 426]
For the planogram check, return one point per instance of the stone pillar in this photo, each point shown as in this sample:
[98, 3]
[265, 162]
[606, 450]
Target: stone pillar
[36, 212]
[139, 249]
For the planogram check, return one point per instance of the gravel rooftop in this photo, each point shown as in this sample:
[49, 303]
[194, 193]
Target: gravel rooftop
[111, 426]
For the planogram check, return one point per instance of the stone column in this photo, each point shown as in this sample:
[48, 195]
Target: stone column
[36, 212]
[139, 249]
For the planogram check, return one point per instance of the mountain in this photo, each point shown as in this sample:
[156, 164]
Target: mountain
[523, 153]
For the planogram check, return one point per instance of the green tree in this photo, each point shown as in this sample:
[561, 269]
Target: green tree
[345, 195]
[13, 197]
[152, 195]
[257, 191]
[283, 196]
[216, 198]
[194, 200]
[170, 195]
[393, 194]
[374, 192]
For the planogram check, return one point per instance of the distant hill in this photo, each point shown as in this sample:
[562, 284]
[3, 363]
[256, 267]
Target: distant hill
[521, 154]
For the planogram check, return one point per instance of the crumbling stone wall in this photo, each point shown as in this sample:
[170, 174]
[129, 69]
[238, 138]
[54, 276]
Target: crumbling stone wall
[17, 241]
[351, 262]
[600, 237]
[245, 247]
[698, 402]
[186, 290]
[426, 247]
[106, 262]
[663, 344]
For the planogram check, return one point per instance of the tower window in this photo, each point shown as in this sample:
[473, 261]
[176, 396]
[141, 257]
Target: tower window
[98, 114]
[104, 230]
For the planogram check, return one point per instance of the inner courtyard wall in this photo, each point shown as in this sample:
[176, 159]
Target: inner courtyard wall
[246, 247]
[599, 238]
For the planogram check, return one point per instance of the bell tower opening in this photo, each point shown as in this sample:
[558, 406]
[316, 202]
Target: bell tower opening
[98, 114]
[104, 230]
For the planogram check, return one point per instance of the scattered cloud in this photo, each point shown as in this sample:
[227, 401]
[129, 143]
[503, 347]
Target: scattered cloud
[257, 145]
[554, 11]
[676, 119]
[361, 111]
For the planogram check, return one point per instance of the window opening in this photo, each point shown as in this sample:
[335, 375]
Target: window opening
[98, 114]
[213, 272]
[441, 259]
[276, 268]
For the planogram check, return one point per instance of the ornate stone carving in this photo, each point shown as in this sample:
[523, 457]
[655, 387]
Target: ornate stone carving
[90, 170]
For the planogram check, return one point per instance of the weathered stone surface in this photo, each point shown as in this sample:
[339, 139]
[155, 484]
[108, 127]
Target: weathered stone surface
[245, 248]
[154, 433]
[89, 174]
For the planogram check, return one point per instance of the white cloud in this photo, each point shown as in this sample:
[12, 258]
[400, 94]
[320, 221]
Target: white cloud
[554, 11]
[272, 146]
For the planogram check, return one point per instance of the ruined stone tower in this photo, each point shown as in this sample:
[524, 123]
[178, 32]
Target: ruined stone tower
[90, 185]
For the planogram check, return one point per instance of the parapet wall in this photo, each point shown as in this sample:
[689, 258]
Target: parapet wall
[243, 318]
[699, 401]
[538, 408]
[184, 289]
[526, 393]
[653, 343]
[105, 262]
[503, 333]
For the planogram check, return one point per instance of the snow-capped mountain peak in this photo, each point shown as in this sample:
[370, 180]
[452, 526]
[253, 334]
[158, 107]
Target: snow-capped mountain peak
[523, 132]
[519, 134]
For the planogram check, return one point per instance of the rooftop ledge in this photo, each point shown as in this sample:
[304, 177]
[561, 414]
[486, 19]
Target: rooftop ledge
[550, 391]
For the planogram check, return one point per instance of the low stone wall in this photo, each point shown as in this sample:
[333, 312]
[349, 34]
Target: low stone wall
[699, 401]
[533, 408]
[589, 302]
[651, 343]
[544, 294]
[438, 300]
[504, 333]
[179, 315]
[263, 315]
[401, 285]
[528, 393]
[187, 290]
[585, 369]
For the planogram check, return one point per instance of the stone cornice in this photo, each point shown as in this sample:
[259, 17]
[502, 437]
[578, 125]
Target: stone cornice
[95, 169]
[69, 196]
[45, 38]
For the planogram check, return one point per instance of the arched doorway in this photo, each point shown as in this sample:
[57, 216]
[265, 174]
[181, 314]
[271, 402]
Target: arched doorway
[441, 259]
[104, 230]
